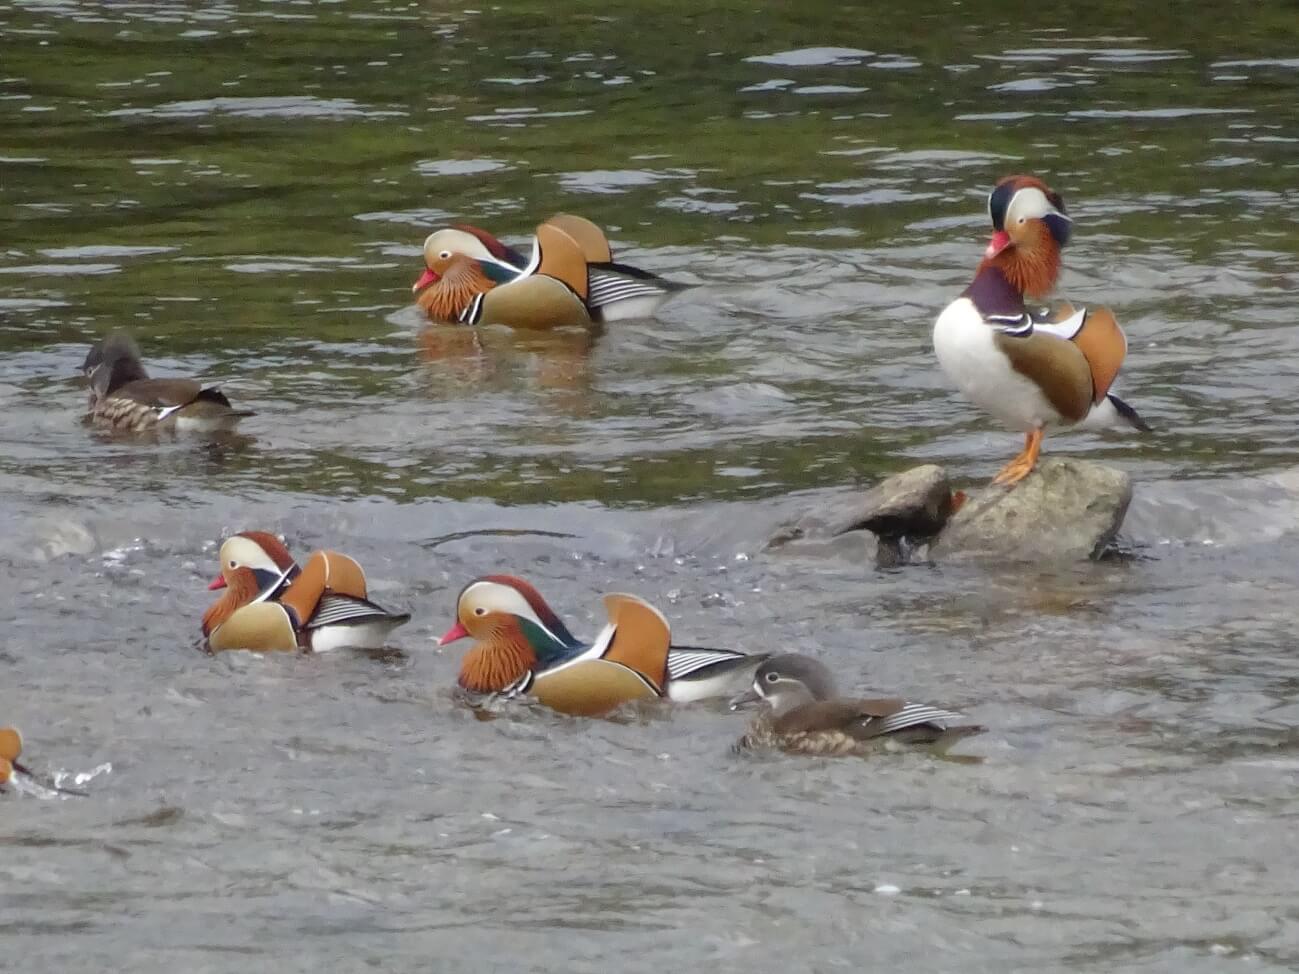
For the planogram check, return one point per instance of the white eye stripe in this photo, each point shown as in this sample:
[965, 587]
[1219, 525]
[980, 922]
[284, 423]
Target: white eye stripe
[495, 597]
[1028, 204]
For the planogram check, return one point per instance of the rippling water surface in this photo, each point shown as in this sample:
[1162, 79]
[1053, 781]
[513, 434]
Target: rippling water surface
[245, 186]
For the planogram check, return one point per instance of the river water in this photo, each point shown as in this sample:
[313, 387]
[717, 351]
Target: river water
[245, 187]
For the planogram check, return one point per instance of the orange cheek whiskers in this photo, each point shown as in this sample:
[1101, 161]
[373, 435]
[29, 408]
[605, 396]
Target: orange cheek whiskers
[496, 662]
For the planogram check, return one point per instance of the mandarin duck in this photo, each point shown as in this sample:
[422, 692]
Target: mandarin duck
[464, 263]
[11, 747]
[1031, 368]
[804, 714]
[523, 648]
[271, 603]
[125, 399]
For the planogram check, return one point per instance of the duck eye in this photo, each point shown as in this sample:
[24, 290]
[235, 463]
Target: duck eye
[1021, 220]
[233, 563]
[445, 255]
[480, 611]
[773, 677]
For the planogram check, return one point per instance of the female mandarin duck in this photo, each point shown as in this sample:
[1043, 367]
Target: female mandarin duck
[804, 714]
[471, 277]
[124, 398]
[1031, 369]
[524, 648]
[272, 604]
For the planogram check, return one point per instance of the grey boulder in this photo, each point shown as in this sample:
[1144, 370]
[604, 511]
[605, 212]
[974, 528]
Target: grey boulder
[1065, 510]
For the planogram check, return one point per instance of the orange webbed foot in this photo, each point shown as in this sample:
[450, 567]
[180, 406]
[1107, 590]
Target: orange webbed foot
[1020, 467]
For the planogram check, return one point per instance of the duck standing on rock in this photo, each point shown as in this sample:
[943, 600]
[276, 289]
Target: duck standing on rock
[804, 714]
[523, 648]
[123, 398]
[270, 603]
[470, 277]
[1031, 368]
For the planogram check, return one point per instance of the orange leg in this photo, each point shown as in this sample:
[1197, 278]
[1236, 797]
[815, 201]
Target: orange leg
[1019, 468]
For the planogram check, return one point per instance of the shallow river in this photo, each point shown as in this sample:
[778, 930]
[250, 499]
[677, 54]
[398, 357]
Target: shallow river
[245, 186]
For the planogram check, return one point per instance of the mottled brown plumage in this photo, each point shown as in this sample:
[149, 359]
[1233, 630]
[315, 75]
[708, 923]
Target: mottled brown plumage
[123, 398]
[803, 714]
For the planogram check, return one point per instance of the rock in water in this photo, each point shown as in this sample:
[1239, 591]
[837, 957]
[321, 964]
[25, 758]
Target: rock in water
[911, 506]
[1065, 510]
[914, 504]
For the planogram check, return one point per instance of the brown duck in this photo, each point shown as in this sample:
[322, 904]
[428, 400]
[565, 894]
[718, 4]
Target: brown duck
[123, 398]
[803, 714]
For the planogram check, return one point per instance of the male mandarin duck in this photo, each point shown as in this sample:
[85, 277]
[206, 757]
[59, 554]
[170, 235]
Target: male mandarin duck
[124, 398]
[272, 604]
[804, 714]
[523, 648]
[11, 747]
[471, 277]
[1030, 368]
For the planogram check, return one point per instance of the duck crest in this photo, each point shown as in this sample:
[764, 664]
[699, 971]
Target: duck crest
[494, 246]
[273, 547]
[240, 590]
[458, 283]
[498, 661]
[538, 604]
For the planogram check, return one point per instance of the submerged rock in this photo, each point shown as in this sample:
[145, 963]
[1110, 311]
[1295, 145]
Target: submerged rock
[1065, 510]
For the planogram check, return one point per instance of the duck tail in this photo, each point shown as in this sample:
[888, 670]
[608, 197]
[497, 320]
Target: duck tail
[1128, 414]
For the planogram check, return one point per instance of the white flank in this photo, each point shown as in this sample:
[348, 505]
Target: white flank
[366, 635]
[966, 351]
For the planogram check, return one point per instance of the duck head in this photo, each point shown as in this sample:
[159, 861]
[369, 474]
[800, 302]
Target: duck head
[515, 631]
[113, 362]
[471, 241]
[787, 682]
[1029, 229]
[252, 563]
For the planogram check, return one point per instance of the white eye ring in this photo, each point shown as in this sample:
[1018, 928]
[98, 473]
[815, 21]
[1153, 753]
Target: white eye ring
[773, 677]
[480, 611]
[445, 255]
[234, 564]
[1021, 220]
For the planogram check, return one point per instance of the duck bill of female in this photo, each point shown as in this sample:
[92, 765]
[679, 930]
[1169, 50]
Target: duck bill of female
[458, 631]
[425, 279]
[742, 701]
